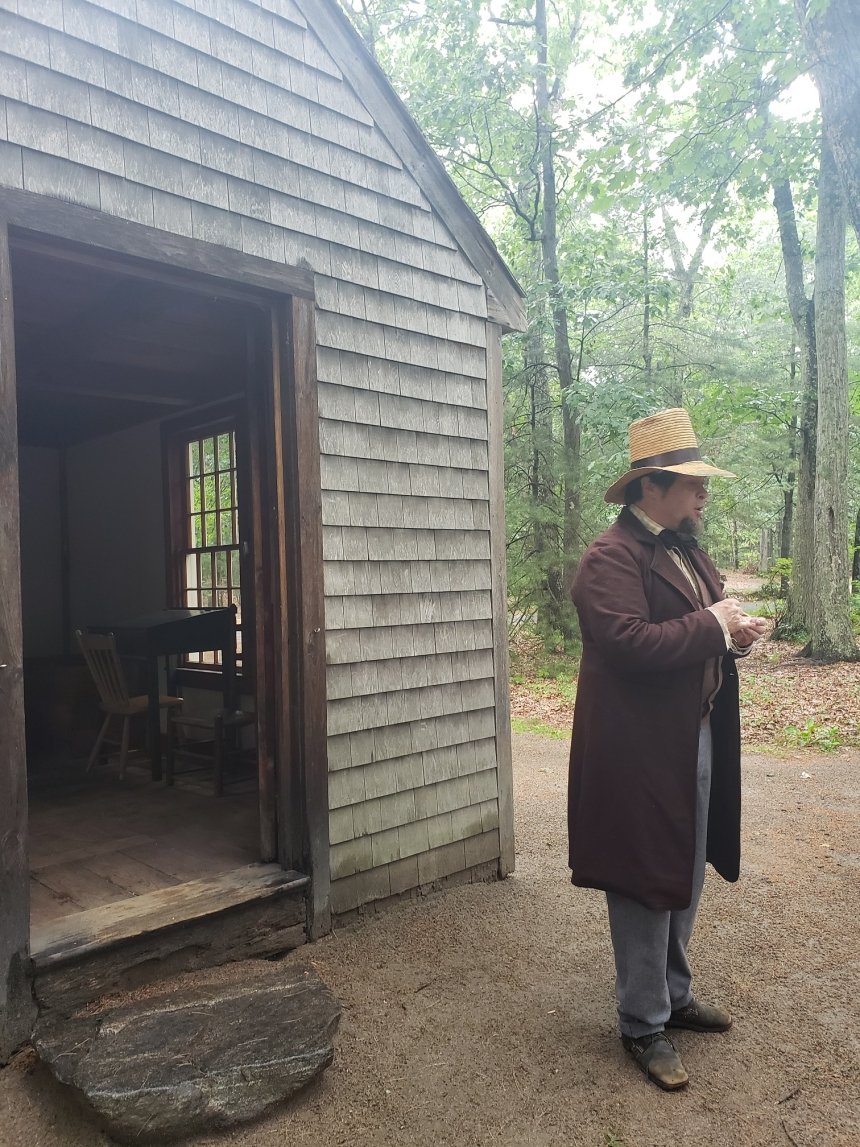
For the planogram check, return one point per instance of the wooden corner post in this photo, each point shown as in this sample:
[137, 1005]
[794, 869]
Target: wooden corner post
[16, 999]
[303, 617]
[496, 459]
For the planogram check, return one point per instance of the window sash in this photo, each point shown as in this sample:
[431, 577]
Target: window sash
[208, 558]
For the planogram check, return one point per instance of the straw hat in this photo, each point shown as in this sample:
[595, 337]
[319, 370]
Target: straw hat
[663, 441]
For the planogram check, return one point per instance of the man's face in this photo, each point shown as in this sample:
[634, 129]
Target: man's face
[681, 507]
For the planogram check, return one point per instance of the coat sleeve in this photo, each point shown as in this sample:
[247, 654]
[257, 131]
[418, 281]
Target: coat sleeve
[610, 596]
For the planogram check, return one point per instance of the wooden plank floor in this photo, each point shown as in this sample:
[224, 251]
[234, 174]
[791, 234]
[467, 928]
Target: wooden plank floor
[96, 840]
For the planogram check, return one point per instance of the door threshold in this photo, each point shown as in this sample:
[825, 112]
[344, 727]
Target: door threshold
[98, 929]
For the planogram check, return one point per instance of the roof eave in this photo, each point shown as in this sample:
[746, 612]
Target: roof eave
[395, 122]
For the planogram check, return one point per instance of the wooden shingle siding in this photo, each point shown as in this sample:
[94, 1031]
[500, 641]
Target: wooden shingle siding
[424, 775]
[357, 405]
[350, 369]
[229, 121]
[383, 307]
[407, 673]
[353, 612]
[398, 576]
[376, 845]
[441, 744]
[362, 336]
[169, 78]
[387, 445]
[424, 868]
[445, 812]
[346, 646]
[341, 508]
[384, 544]
[402, 706]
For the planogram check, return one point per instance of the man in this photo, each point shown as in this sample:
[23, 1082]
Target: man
[655, 756]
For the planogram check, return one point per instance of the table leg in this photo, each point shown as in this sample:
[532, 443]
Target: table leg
[228, 677]
[154, 720]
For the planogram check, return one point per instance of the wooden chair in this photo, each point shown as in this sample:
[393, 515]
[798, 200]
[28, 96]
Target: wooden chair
[209, 743]
[106, 670]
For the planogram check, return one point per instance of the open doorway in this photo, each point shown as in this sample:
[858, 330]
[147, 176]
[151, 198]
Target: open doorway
[142, 470]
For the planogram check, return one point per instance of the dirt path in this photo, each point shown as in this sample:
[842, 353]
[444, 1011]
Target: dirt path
[484, 1014]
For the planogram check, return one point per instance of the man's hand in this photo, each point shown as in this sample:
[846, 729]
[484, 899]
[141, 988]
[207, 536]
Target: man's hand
[743, 628]
[752, 631]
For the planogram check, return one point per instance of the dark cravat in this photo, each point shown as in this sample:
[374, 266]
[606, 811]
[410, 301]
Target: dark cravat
[671, 539]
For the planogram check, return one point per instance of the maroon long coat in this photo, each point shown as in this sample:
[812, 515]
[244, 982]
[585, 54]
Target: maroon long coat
[633, 759]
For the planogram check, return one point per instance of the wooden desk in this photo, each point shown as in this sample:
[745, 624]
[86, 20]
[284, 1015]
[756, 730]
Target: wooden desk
[170, 633]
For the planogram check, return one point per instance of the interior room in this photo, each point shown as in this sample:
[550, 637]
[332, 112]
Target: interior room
[135, 495]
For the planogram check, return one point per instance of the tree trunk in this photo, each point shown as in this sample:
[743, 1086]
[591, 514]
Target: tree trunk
[831, 637]
[788, 488]
[790, 478]
[833, 39]
[764, 541]
[855, 563]
[540, 418]
[799, 606]
[686, 276]
[787, 519]
[562, 578]
[542, 465]
[647, 354]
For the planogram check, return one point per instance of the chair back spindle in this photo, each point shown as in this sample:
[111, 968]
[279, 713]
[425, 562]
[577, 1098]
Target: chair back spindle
[100, 654]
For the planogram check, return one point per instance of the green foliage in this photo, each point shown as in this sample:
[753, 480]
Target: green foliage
[773, 595]
[814, 736]
[776, 581]
[539, 728]
[663, 192]
[855, 612]
[786, 631]
[544, 673]
[556, 684]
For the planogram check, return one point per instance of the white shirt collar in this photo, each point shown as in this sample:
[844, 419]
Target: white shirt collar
[647, 522]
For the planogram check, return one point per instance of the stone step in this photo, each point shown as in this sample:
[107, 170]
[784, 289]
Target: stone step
[193, 1057]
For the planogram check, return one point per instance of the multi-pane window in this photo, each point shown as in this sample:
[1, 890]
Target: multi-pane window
[210, 560]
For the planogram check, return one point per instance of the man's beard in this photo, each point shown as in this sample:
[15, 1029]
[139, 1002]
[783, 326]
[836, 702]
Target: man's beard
[690, 527]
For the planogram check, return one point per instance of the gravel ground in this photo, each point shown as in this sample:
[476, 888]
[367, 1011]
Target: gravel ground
[484, 1014]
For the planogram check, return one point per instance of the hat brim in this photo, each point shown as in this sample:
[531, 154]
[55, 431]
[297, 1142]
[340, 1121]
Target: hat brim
[615, 493]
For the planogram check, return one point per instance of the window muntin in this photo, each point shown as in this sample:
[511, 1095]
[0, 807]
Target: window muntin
[210, 563]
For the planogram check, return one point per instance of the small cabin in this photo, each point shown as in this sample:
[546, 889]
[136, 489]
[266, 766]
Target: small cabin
[253, 667]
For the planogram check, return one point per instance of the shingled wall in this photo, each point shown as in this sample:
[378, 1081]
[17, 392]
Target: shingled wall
[228, 121]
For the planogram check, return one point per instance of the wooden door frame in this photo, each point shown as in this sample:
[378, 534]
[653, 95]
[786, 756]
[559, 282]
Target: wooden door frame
[16, 1001]
[302, 733]
[297, 739]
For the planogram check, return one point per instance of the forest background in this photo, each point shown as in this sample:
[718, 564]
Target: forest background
[676, 186]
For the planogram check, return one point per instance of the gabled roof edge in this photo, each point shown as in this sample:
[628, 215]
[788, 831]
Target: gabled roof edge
[393, 119]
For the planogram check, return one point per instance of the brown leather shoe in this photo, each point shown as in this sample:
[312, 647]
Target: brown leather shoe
[697, 1017]
[656, 1055]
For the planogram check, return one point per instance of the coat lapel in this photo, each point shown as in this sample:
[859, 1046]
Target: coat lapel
[668, 570]
[661, 563]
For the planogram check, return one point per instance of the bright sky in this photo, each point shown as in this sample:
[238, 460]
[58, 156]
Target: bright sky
[799, 101]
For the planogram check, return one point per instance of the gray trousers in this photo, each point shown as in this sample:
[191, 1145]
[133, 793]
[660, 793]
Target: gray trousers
[653, 974]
